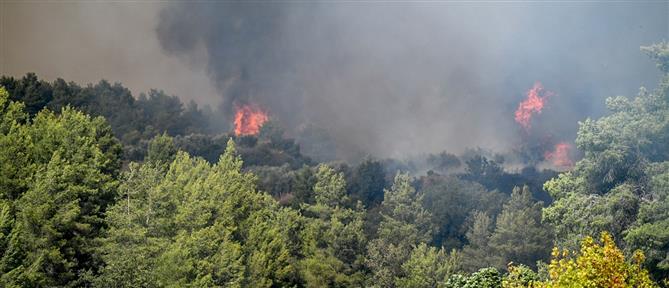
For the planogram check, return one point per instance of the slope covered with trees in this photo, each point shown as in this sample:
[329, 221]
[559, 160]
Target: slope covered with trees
[100, 189]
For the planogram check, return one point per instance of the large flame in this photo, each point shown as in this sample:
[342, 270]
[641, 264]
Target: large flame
[248, 119]
[560, 156]
[536, 99]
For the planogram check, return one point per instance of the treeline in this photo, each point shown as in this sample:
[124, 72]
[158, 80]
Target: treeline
[135, 121]
[206, 209]
[132, 119]
[203, 132]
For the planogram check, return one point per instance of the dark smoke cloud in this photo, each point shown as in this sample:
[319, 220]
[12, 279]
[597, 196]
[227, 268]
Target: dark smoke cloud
[389, 78]
[386, 78]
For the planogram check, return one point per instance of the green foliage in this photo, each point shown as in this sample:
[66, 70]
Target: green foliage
[451, 201]
[368, 182]
[161, 150]
[405, 224]
[597, 265]
[478, 251]
[519, 277]
[593, 265]
[55, 194]
[69, 217]
[488, 170]
[618, 185]
[403, 213]
[198, 224]
[334, 236]
[428, 267]
[517, 235]
[34, 93]
[14, 155]
[485, 171]
[650, 232]
[330, 188]
[483, 278]
[133, 121]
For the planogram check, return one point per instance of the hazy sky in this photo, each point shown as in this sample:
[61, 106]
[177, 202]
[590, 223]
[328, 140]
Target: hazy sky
[84, 42]
[382, 77]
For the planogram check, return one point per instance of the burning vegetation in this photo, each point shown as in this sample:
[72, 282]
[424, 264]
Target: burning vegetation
[248, 119]
[536, 99]
[100, 188]
[535, 102]
[559, 156]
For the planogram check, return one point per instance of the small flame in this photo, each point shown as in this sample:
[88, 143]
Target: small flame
[248, 119]
[560, 156]
[536, 99]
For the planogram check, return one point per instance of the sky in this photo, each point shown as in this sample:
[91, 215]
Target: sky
[87, 41]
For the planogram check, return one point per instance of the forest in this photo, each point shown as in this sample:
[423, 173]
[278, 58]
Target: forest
[99, 188]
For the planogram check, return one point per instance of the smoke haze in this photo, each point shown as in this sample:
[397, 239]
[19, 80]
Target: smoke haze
[383, 78]
[87, 41]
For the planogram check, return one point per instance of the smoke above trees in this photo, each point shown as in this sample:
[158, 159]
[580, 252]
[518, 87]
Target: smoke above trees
[388, 79]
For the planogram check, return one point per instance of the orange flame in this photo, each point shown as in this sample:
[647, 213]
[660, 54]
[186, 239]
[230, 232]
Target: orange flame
[560, 155]
[248, 119]
[536, 99]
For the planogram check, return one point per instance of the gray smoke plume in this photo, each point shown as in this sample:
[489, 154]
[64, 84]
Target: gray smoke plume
[388, 78]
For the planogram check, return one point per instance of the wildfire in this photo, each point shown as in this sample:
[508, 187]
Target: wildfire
[560, 155]
[248, 119]
[536, 99]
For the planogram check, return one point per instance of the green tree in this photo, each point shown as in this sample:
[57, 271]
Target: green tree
[14, 156]
[161, 150]
[53, 215]
[520, 276]
[367, 183]
[597, 265]
[34, 93]
[519, 235]
[451, 201]
[334, 237]
[428, 267]
[199, 224]
[617, 186]
[483, 278]
[478, 251]
[131, 248]
[405, 224]
[330, 188]
[650, 231]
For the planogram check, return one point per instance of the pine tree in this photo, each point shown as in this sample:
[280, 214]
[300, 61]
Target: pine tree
[405, 224]
[519, 235]
[59, 185]
[334, 236]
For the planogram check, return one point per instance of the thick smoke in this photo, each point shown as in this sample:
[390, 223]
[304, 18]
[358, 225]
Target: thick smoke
[387, 77]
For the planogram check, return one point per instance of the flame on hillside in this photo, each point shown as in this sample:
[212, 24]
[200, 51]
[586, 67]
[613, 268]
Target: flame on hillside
[559, 157]
[248, 119]
[533, 104]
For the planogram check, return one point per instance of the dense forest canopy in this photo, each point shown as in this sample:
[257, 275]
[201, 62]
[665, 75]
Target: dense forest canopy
[386, 144]
[99, 188]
